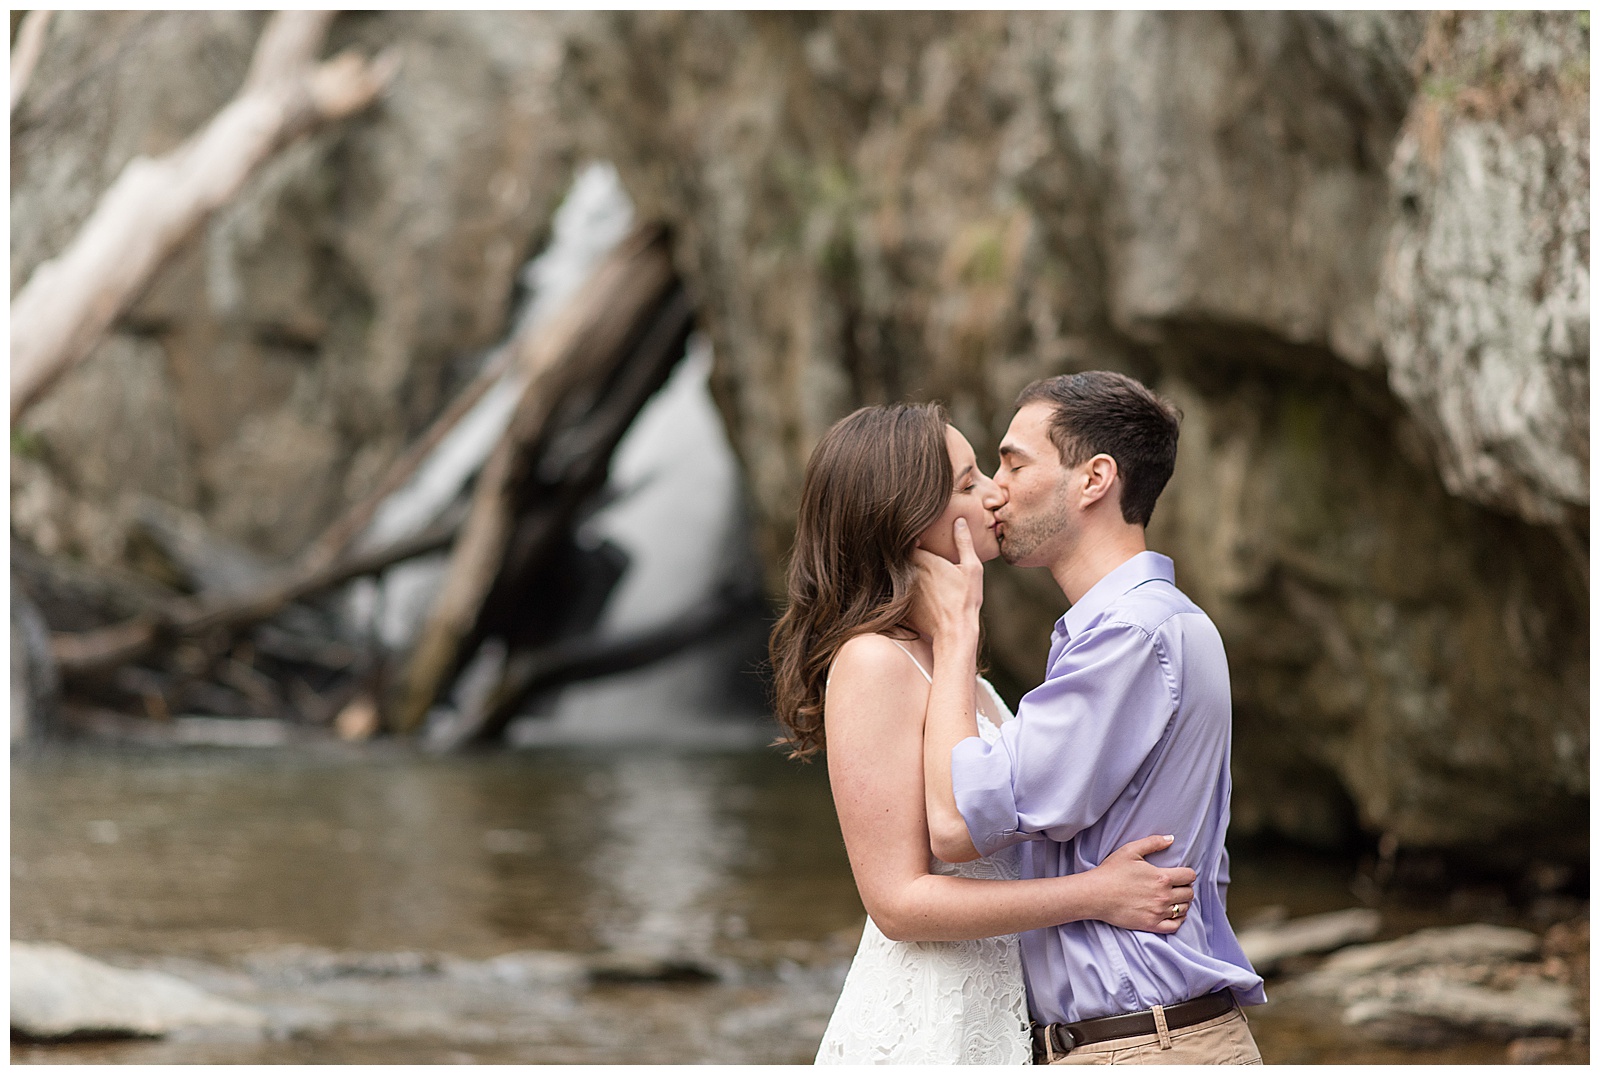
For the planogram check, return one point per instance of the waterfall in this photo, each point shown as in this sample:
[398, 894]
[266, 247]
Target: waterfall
[681, 521]
[676, 512]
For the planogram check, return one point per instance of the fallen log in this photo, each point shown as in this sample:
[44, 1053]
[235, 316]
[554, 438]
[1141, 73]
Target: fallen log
[25, 56]
[78, 596]
[70, 302]
[35, 680]
[86, 652]
[599, 360]
[572, 468]
[592, 656]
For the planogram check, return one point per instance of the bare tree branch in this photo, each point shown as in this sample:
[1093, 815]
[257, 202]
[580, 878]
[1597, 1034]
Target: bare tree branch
[70, 302]
[78, 653]
[25, 57]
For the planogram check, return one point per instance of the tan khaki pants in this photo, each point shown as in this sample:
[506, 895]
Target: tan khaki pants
[1223, 1040]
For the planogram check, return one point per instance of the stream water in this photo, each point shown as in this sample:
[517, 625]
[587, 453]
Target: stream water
[366, 899]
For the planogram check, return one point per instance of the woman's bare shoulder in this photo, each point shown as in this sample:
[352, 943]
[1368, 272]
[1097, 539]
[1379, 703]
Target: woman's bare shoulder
[874, 689]
[869, 657]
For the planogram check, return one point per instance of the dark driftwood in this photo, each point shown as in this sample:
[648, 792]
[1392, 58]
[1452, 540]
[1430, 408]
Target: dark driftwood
[69, 302]
[590, 656]
[76, 595]
[80, 653]
[532, 484]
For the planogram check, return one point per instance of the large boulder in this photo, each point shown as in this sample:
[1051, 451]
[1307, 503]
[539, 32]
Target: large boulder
[1443, 983]
[1383, 470]
[58, 993]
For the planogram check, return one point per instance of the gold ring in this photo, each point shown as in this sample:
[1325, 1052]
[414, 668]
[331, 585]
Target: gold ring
[1177, 909]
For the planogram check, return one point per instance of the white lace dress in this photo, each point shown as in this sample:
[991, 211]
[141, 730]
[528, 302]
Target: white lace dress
[935, 1002]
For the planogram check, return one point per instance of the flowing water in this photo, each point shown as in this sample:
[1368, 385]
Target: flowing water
[362, 899]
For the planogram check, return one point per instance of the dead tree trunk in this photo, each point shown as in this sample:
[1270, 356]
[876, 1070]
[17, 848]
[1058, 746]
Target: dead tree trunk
[69, 302]
[25, 57]
[610, 351]
[85, 652]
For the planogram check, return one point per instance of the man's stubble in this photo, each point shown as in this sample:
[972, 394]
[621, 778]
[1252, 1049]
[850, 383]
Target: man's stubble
[1048, 524]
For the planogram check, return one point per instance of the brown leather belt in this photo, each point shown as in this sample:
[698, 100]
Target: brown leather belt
[1061, 1038]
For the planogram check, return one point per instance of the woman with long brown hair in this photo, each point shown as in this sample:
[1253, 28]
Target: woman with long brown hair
[938, 977]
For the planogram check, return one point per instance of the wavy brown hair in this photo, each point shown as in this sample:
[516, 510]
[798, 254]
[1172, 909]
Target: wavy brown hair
[874, 483]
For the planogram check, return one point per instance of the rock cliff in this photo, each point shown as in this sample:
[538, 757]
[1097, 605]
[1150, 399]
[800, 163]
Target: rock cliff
[1353, 247]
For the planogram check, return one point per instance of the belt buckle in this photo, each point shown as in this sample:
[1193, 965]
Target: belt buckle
[1053, 1047]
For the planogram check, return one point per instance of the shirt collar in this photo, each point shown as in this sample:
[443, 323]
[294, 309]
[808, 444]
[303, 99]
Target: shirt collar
[1130, 574]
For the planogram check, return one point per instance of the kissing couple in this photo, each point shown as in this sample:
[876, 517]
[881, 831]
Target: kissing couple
[1047, 887]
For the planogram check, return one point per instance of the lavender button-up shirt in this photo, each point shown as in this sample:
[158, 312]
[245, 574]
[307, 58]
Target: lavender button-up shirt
[1127, 737]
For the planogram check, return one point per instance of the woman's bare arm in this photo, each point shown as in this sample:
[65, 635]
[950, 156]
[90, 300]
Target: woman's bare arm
[874, 715]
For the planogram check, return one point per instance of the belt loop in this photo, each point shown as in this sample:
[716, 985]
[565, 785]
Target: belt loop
[1050, 1044]
[1162, 1032]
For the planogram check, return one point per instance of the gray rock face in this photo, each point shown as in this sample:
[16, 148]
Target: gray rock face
[1484, 299]
[282, 359]
[58, 993]
[882, 207]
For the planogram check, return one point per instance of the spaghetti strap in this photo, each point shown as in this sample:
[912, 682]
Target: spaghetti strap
[914, 661]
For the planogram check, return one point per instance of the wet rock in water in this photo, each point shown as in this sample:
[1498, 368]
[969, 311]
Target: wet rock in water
[1475, 943]
[1441, 984]
[620, 967]
[1536, 1051]
[1269, 945]
[306, 964]
[525, 969]
[57, 993]
[1416, 1010]
[225, 732]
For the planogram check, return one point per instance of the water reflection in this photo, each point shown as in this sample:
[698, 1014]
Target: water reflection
[226, 866]
[663, 864]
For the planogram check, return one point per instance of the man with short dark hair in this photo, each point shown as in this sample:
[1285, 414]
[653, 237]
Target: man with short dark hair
[1128, 735]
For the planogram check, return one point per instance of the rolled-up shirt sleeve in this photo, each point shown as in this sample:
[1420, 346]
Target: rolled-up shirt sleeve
[1077, 742]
